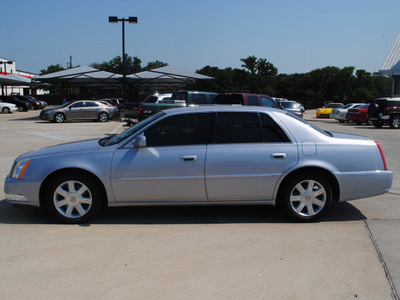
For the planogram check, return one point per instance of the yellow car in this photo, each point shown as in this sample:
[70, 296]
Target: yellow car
[325, 111]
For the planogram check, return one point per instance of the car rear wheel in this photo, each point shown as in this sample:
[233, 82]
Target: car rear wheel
[103, 117]
[73, 198]
[305, 197]
[395, 122]
[6, 110]
[59, 118]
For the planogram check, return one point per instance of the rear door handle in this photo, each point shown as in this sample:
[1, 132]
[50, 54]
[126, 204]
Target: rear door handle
[189, 158]
[278, 155]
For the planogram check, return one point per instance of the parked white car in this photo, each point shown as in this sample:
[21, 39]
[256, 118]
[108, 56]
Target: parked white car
[340, 113]
[7, 108]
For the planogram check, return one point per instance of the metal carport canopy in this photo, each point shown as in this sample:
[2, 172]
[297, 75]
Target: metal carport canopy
[13, 79]
[84, 75]
[164, 78]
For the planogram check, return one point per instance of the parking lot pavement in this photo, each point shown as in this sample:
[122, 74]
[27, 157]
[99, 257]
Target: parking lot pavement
[195, 252]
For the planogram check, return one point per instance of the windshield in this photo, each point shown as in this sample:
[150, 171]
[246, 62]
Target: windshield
[112, 140]
[66, 104]
[287, 104]
[333, 106]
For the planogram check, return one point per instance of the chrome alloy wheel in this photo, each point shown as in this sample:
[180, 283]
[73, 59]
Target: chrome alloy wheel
[72, 199]
[59, 118]
[103, 117]
[308, 198]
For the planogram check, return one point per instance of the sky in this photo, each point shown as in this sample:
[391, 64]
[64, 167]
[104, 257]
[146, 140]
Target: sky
[296, 36]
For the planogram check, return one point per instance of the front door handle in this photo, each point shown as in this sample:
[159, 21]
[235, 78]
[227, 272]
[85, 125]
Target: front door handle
[189, 158]
[278, 155]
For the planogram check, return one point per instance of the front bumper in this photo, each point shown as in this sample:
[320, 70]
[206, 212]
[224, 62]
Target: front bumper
[22, 192]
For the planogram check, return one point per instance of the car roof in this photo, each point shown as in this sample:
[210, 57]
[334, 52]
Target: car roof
[221, 108]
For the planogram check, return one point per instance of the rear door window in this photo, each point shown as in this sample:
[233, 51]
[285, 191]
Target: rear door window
[236, 127]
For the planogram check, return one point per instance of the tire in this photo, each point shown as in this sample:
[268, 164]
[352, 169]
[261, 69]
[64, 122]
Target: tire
[395, 122]
[6, 110]
[59, 118]
[73, 198]
[341, 121]
[305, 197]
[103, 117]
[377, 124]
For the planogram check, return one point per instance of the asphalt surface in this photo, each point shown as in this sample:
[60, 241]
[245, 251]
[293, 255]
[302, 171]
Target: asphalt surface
[221, 252]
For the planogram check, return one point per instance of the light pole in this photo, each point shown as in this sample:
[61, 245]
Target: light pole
[132, 20]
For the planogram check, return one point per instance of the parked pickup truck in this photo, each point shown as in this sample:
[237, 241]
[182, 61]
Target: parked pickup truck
[143, 110]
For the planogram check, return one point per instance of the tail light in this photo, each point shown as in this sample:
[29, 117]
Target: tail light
[383, 157]
[140, 110]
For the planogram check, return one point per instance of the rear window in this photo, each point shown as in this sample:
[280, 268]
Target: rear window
[179, 96]
[151, 99]
[229, 99]
[199, 99]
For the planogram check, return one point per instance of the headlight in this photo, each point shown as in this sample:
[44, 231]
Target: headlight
[19, 168]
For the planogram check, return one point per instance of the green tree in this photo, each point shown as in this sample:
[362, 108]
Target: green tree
[51, 69]
[154, 65]
[132, 65]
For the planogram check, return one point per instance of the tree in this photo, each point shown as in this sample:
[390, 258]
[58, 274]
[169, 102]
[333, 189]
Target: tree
[132, 65]
[51, 69]
[154, 65]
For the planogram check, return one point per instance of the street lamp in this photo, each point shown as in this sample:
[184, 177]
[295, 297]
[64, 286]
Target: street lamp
[132, 20]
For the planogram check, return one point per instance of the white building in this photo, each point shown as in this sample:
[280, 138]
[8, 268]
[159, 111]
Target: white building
[8, 66]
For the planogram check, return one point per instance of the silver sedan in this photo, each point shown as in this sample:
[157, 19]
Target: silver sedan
[80, 110]
[203, 155]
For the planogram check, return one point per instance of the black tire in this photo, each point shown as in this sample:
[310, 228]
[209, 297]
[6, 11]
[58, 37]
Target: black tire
[341, 121]
[103, 117]
[6, 110]
[395, 122]
[377, 124]
[305, 197]
[74, 198]
[59, 118]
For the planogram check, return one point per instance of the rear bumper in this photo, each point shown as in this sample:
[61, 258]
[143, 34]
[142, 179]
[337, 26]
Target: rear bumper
[356, 185]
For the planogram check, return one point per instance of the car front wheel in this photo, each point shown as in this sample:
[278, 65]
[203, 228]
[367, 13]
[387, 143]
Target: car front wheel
[73, 198]
[59, 118]
[103, 117]
[6, 110]
[305, 197]
[395, 122]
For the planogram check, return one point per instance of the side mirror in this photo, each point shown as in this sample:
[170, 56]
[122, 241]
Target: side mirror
[140, 142]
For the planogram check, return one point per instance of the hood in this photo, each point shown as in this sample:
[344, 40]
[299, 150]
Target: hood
[48, 109]
[80, 146]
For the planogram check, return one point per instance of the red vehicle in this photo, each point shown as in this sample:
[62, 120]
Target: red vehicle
[358, 115]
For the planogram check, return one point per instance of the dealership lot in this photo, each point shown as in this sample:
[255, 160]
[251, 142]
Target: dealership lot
[196, 252]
